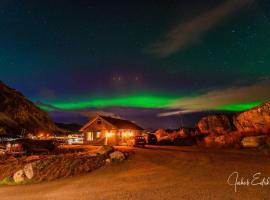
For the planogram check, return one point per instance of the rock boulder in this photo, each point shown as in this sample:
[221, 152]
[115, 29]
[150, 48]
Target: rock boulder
[104, 150]
[256, 119]
[214, 124]
[19, 176]
[220, 140]
[253, 141]
[28, 171]
[117, 156]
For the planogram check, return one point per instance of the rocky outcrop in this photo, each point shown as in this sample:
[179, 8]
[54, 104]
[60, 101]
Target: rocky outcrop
[214, 124]
[28, 171]
[185, 132]
[33, 169]
[232, 139]
[256, 119]
[247, 129]
[19, 177]
[49, 167]
[104, 150]
[17, 114]
[7, 123]
[253, 141]
[117, 156]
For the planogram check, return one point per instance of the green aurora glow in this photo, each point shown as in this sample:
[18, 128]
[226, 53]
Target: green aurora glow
[239, 106]
[140, 101]
[122, 101]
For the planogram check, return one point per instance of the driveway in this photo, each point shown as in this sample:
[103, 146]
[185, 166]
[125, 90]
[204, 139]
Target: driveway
[158, 173]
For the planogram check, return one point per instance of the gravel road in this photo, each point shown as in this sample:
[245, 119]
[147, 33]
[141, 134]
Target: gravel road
[158, 173]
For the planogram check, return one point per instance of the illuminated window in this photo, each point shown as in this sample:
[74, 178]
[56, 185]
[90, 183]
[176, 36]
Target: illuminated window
[90, 136]
[98, 134]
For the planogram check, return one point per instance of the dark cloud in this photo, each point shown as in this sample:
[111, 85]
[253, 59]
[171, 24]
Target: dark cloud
[178, 112]
[189, 32]
[234, 95]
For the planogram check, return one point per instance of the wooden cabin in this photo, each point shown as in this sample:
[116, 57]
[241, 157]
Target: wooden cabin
[102, 130]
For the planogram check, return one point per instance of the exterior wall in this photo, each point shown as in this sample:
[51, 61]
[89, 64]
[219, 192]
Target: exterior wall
[101, 140]
[96, 140]
[103, 125]
[99, 128]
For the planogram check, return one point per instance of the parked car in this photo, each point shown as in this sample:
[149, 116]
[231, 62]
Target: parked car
[15, 148]
[151, 139]
[60, 141]
[7, 139]
[75, 140]
[136, 141]
[29, 146]
[139, 141]
[2, 149]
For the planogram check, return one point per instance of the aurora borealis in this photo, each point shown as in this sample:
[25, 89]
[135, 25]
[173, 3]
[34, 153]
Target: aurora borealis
[143, 102]
[137, 59]
[129, 101]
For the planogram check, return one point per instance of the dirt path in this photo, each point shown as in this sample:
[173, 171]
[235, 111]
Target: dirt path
[157, 173]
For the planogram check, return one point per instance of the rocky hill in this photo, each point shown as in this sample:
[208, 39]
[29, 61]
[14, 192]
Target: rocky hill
[256, 120]
[17, 114]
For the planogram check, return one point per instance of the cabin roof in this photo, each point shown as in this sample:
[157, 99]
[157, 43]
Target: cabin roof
[117, 123]
[122, 123]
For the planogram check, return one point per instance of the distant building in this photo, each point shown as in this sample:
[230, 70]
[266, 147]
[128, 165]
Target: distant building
[108, 130]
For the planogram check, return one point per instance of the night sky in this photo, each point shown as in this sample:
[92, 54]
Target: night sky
[159, 63]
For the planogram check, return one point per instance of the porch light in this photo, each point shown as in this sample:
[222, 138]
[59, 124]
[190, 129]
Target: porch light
[127, 134]
[109, 134]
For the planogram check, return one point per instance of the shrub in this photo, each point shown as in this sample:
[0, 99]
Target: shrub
[7, 181]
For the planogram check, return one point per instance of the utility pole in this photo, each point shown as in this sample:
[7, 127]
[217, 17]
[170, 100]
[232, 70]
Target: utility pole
[181, 121]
